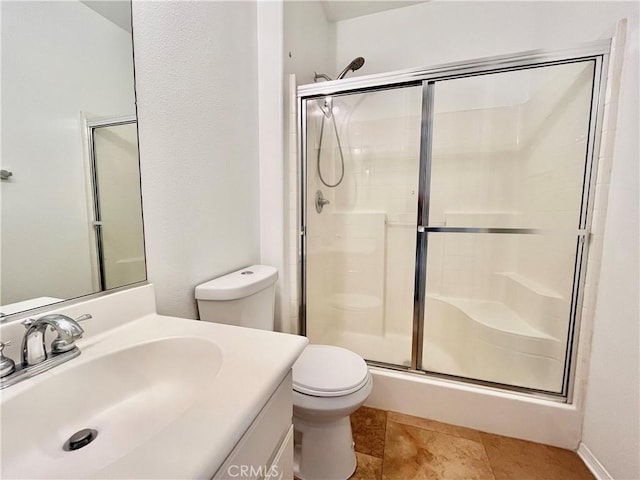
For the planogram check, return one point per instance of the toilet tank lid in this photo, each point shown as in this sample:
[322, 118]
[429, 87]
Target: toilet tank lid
[238, 284]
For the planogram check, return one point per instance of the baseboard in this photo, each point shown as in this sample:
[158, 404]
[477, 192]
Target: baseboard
[593, 463]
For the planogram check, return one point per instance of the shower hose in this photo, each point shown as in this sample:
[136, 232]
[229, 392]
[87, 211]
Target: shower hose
[328, 113]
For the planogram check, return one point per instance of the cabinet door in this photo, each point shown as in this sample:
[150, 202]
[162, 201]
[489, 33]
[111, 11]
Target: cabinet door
[282, 465]
[261, 443]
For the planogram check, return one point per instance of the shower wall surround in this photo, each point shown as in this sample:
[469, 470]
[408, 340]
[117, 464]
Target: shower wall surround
[361, 248]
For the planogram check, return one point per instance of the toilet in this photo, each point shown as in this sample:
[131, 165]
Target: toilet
[329, 383]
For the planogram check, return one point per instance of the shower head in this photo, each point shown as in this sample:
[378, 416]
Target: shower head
[355, 64]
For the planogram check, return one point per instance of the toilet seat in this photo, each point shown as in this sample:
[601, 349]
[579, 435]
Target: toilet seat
[328, 371]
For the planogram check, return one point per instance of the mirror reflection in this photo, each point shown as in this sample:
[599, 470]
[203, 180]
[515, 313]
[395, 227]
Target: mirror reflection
[70, 205]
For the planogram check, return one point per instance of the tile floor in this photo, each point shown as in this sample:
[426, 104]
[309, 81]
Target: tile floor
[393, 446]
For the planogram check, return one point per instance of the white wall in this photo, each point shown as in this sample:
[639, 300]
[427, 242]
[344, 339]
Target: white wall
[612, 415]
[440, 32]
[58, 59]
[309, 41]
[271, 140]
[197, 87]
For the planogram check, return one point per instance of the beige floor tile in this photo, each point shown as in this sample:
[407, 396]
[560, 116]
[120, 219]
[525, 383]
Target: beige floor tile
[368, 425]
[427, 424]
[369, 468]
[416, 453]
[511, 459]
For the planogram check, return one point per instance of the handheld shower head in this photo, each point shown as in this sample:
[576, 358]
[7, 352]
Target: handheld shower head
[355, 64]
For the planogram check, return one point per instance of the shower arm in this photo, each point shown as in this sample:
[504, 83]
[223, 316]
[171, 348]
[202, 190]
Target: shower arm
[317, 76]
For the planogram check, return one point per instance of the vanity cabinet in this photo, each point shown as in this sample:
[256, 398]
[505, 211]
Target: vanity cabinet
[266, 448]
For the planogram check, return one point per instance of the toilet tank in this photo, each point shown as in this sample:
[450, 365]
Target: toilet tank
[244, 298]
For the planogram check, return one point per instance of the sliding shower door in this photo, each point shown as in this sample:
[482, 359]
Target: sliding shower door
[362, 163]
[504, 229]
[117, 204]
[447, 216]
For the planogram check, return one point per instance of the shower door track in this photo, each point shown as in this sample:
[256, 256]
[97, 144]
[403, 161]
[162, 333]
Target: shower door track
[598, 52]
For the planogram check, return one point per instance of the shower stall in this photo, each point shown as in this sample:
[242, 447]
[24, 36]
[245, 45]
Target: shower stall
[446, 214]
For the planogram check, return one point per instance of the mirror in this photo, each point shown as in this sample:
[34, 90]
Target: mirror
[70, 204]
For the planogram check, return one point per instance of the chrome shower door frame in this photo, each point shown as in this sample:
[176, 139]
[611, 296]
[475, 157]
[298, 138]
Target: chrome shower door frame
[91, 127]
[598, 52]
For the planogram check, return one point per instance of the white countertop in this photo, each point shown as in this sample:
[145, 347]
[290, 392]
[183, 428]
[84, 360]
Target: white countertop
[251, 365]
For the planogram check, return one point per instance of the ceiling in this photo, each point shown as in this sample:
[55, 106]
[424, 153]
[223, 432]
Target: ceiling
[119, 11]
[336, 10]
[116, 11]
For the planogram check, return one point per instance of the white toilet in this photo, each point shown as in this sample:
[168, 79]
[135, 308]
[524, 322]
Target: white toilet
[329, 383]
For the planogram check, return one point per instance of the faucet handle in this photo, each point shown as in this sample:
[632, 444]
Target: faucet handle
[60, 345]
[7, 366]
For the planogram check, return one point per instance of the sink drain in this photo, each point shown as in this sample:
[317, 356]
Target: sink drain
[80, 439]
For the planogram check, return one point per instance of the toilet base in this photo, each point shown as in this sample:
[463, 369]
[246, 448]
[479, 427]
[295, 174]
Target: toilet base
[323, 451]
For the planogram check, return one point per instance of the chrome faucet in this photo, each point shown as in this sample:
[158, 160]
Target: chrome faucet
[35, 358]
[68, 330]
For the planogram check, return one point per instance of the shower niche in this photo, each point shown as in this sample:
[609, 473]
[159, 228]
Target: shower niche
[454, 242]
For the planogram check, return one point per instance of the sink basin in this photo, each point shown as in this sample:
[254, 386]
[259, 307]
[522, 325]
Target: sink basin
[172, 406]
[127, 396]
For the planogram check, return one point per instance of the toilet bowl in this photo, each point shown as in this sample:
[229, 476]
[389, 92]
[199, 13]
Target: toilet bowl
[329, 383]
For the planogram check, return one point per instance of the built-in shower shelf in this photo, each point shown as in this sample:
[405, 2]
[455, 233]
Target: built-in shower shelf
[354, 302]
[532, 285]
[496, 316]
[363, 248]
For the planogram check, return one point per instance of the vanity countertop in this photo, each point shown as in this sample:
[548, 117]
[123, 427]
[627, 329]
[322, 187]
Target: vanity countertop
[213, 379]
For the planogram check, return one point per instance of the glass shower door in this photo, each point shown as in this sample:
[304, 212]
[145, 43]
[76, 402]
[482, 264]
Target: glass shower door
[117, 204]
[362, 162]
[506, 223]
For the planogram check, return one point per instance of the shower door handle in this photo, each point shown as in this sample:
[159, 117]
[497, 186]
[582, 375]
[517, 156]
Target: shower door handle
[494, 230]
